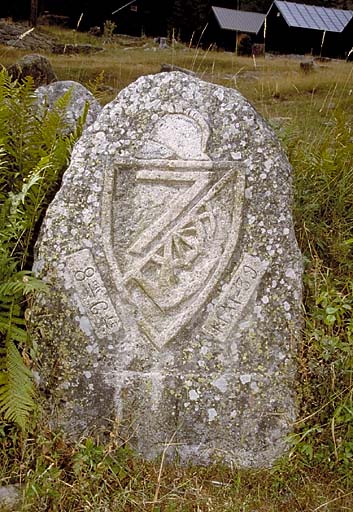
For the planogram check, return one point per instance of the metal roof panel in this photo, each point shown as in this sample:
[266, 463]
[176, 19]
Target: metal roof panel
[241, 21]
[313, 16]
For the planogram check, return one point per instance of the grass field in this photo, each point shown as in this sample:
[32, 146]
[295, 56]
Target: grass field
[312, 114]
[275, 85]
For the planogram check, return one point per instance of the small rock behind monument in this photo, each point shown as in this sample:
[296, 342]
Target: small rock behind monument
[34, 65]
[19, 35]
[48, 95]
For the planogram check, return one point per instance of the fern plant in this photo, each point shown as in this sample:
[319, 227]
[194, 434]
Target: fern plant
[16, 388]
[34, 152]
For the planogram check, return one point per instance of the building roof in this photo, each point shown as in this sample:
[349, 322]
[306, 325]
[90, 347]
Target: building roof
[241, 21]
[313, 16]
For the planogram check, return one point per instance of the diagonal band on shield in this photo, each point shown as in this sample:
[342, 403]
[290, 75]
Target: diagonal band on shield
[176, 260]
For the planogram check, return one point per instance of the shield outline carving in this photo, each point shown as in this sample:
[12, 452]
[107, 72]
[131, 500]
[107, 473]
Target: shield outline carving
[234, 173]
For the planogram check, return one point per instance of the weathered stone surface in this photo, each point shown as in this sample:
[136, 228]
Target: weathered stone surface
[10, 498]
[36, 66]
[175, 277]
[20, 35]
[48, 95]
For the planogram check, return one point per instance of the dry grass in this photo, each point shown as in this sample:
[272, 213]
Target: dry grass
[275, 85]
[58, 476]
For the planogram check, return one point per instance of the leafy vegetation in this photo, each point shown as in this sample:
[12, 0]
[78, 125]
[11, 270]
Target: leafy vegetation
[34, 151]
[313, 115]
[324, 218]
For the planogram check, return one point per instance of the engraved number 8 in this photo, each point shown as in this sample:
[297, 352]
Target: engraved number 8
[81, 276]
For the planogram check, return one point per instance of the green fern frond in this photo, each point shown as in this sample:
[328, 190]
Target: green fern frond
[53, 123]
[16, 382]
[16, 387]
[35, 149]
[80, 124]
[15, 332]
[21, 283]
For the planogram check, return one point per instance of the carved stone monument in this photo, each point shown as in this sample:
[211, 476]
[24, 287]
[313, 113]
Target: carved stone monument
[175, 277]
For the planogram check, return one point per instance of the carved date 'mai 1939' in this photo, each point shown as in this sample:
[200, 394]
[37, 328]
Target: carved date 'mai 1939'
[92, 293]
[235, 297]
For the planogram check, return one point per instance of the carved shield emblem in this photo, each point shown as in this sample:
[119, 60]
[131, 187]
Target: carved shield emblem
[171, 223]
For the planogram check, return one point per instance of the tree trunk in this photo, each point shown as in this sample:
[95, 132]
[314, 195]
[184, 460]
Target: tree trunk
[34, 13]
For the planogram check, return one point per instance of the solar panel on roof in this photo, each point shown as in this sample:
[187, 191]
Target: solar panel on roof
[314, 17]
[244, 21]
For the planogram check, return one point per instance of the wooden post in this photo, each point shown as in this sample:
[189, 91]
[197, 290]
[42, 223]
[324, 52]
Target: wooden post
[33, 13]
[265, 34]
[236, 32]
[322, 42]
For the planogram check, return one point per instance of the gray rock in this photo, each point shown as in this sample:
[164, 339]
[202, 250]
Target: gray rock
[175, 278]
[49, 94]
[36, 66]
[95, 31]
[307, 66]
[163, 43]
[10, 498]
[73, 49]
[171, 67]
[19, 35]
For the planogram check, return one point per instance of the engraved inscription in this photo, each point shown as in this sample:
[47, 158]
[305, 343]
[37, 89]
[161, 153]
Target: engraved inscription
[233, 300]
[92, 292]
